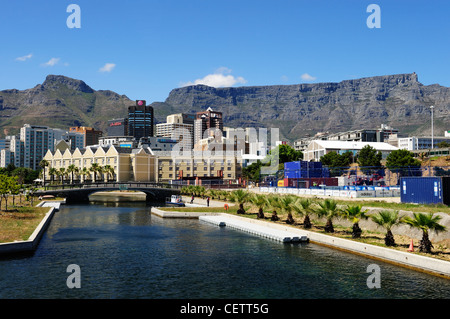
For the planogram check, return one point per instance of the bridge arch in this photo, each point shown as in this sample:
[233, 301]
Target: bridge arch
[82, 194]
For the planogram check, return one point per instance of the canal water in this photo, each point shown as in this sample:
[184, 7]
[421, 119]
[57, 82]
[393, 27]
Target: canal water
[125, 252]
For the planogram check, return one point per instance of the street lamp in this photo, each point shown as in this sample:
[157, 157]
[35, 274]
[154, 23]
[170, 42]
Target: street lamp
[432, 130]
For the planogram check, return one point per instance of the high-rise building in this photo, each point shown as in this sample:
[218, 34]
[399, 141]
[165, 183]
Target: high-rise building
[207, 121]
[140, 120]
[179, 127]
[118, 127]
[37, 140]
[91, 135]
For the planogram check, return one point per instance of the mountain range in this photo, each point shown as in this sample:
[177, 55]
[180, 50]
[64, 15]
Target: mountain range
[399, 100]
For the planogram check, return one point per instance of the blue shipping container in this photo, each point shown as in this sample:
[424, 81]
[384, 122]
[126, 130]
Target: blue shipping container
[425, 190]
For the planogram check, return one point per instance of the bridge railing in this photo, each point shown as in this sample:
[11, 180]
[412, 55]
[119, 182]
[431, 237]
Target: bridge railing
[120, 185]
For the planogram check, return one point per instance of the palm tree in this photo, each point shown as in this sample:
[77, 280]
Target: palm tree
[303, 207]
[261, 202]
[275, 203]
[355, 214]
[287, 203]
[328, 208]
[52, 172]
[425, 222]
[387, 219]
[84, 171]
[62, 174]
[95, 167]
[44, 163]
[241, 197]
[71, 169]
[109, 170]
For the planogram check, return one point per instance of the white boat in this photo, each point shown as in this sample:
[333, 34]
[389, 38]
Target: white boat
[176, 200]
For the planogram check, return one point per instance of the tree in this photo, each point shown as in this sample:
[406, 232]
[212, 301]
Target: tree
[425, 222]
[44, 163]
[328, 209]
[285, 154]
[252, 171]
[4, 189]
[109, 171]
[52, 172]
[95, 167]
[261, 202]
[387, 219]
[333, 159]
[355, 214]
[287, 203]
[401, 160]
[304, 208]
[241, 197]
[85, 172]
[368, 156]
[14, 188]
[72, 169]
[443, 144]
[62, 174]
[275, 204]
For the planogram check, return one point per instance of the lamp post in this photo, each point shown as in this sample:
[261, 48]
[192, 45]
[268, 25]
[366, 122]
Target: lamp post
[432, 129]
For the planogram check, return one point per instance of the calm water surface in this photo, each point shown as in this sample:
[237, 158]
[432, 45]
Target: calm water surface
[125, 252]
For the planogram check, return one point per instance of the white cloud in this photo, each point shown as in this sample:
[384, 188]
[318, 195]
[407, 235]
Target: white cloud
[307, 77]
[284, 78]
[24, 58]
[220, 78]
[108, 67]
[52, 62]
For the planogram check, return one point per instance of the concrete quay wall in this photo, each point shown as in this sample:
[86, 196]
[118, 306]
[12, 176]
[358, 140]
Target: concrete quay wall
[33, 240]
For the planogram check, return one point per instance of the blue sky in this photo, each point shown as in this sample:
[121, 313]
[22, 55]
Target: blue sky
[144, 49]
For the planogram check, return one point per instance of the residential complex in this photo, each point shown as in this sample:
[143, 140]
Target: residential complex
[144, 165]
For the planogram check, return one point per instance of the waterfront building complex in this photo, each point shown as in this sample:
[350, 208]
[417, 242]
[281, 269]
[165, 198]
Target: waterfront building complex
[145, 165]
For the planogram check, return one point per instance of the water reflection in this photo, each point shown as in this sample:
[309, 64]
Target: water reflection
[125, 252]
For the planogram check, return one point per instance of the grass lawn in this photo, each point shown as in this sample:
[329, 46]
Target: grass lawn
[19, 222]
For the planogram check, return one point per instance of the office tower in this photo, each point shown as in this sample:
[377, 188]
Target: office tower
[207, 120]
[91, 135]
[118, 127]
[179, 127]
[140, 120]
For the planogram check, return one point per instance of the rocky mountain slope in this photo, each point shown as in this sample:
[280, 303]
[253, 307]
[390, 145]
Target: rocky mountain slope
[59, 102]
[400, 101]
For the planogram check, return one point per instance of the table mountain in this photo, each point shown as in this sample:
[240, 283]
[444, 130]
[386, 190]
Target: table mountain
[60, 102]
[400, 101]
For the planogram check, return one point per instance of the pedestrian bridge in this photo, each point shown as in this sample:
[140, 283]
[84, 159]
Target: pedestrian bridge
[78, 193]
